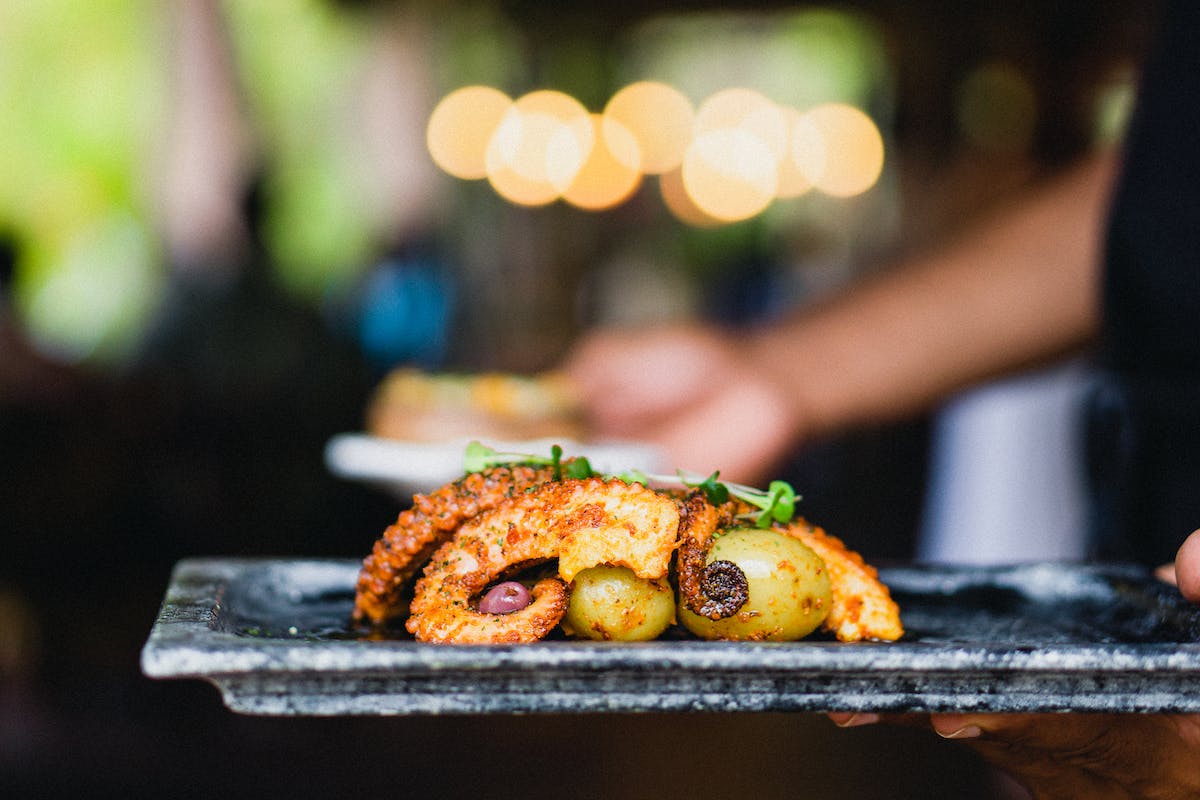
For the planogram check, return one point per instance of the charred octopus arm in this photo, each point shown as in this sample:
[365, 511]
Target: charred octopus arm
[715, 590]
[719, 589]
[581, 523]
[862, 606]
[419, 530]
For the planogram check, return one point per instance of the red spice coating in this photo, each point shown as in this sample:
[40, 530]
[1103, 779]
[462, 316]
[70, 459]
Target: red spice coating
[419, 530]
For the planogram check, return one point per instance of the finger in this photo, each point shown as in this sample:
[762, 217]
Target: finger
[1111, 744]
[1087, 755]
[627, 377]
[597, 364]
[955, 726]
[1166, 574]
[741, 429]
[852, 719]
[1034, 729]
[1187, 568]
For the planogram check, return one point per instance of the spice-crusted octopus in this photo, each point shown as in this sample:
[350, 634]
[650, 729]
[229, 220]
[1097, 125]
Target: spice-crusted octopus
[862, 606]
[498, 521]
[582, 523]
[432, 519]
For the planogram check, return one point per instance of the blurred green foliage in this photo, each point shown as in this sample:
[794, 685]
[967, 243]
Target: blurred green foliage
[82, 90]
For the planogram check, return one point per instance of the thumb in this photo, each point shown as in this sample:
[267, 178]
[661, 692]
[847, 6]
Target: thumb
[1187, 567]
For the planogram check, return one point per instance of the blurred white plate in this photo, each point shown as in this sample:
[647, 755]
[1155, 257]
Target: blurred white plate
[409, 467]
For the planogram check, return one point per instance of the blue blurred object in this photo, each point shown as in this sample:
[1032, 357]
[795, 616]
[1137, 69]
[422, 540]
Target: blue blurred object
[404, 312]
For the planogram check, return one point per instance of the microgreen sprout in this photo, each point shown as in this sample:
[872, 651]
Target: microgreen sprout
[479, 456]
[776, 504]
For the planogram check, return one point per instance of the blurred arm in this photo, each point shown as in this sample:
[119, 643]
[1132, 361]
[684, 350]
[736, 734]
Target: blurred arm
[1017, 288]
[1020, 287]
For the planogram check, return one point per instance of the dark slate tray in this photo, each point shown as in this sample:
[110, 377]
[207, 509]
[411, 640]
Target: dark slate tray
[272, 635]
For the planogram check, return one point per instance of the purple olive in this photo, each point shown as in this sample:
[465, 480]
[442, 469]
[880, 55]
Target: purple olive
[505, 598]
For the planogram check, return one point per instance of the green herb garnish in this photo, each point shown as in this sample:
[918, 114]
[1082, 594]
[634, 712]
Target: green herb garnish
[777, 503]
[479, 456]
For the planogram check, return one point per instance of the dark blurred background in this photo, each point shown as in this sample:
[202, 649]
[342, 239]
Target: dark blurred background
[210, 214]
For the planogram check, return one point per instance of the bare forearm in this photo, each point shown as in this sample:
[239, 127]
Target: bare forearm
[1020, 287]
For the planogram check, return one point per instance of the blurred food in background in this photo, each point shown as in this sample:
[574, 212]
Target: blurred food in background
[412, 405]
[419, 424]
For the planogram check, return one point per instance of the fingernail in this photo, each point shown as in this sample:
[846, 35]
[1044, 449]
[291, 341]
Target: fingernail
[854, 720]
[966, 732]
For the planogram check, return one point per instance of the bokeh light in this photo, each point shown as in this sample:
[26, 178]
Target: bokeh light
[996, 109]
[612, 170]
[660, 117]
[1114, 104]
[805, 156]
[724, 161]
[747, 110]
[730, 174]
[538, 148]
[853, 149]
[807, 145]
[680, 203]
[461, 126]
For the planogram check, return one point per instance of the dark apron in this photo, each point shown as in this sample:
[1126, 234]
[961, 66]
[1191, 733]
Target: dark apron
[1143, 466]
[1143, 419]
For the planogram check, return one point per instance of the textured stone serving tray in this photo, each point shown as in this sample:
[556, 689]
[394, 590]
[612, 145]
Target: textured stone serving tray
[273, 636]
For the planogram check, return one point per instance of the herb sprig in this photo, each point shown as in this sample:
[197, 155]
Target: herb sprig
[479, 457]
[776, 504]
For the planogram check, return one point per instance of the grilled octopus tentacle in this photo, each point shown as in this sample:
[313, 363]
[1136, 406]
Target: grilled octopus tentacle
[862, 606]
[715, 590]
[419, 530]
[580, 522]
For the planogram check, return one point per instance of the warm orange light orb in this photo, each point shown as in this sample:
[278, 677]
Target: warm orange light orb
[807, 148]
[747, 110]
[680, 204]
[853, 149]
[539, 147]
[661, 119]
[804, 157]
[730, 174]
[460, 128]
[611, 172]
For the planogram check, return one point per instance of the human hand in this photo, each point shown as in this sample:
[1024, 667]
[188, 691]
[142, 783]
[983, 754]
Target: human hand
[1094, 756]
[695, 392]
